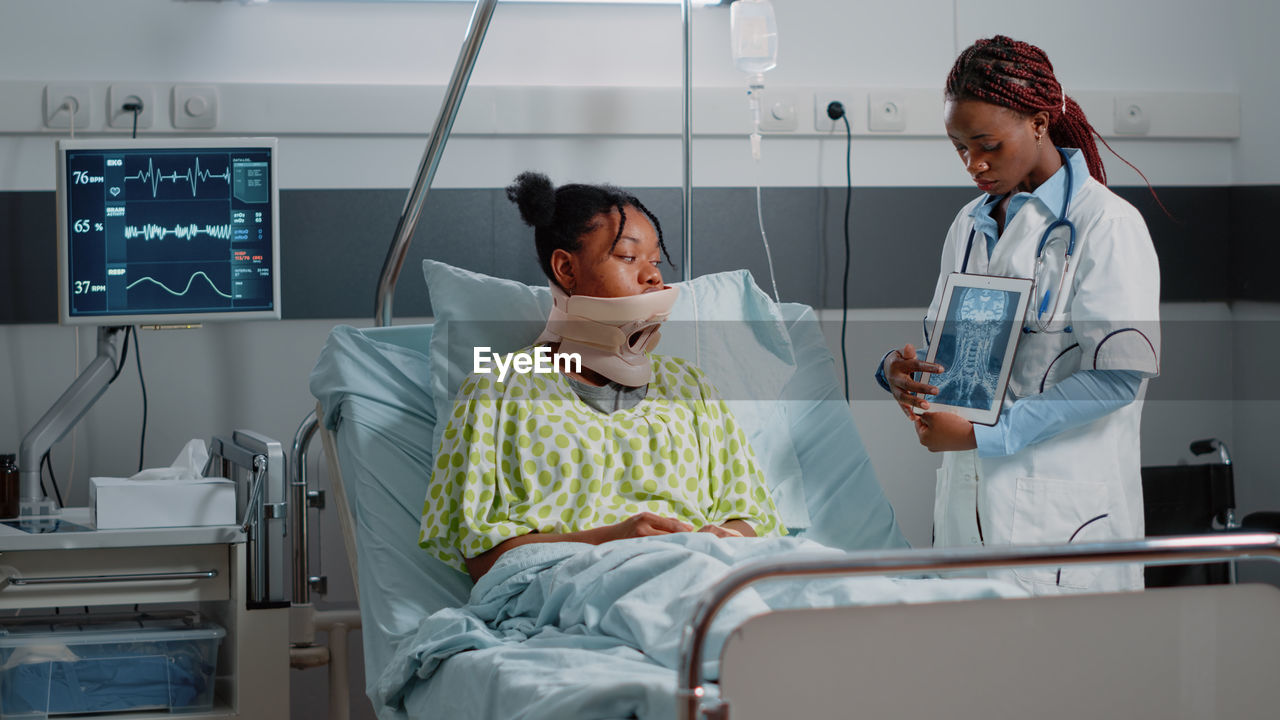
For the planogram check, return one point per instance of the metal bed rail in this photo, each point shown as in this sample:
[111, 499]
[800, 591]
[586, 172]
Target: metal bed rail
[1169, 550]
[408, 222]
[412, 212]
[303, 582]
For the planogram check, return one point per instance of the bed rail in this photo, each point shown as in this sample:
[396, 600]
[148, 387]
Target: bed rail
[408, 222]
[1170, 550]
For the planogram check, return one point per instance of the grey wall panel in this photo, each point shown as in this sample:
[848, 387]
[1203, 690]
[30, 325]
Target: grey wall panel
[336, 242]
[1194, 239]
[727, 237]
[1256, 243]
[895, 240]
[28, 258]
[332, 244]
[1214, 246]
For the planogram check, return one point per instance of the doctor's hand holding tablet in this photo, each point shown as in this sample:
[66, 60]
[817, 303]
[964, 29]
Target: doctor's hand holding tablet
[937, 431]
[1042, 332]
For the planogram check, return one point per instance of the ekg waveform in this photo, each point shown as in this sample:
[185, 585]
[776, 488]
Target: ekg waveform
[182, 232]
[192, 175]
[185, 290]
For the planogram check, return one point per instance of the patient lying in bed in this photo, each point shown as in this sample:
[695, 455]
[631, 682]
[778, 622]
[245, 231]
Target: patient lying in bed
[630, 444]
[593, 507]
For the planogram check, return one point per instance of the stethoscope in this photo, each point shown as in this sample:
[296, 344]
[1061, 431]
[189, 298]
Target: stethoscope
[1037, 319]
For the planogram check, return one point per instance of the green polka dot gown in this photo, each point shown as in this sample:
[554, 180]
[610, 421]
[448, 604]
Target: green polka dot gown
[527, 455]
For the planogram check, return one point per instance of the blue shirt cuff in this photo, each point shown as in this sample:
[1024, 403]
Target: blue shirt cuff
[990, 439]
[880, 372]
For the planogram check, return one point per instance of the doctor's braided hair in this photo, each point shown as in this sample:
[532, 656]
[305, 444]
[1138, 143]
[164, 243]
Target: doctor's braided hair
[560, 216]
[1018, 76]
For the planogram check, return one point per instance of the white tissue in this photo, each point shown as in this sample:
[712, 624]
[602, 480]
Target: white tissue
[174, 496]
[187, 466]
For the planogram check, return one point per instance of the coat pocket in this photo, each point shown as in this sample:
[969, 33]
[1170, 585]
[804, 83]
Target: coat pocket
[1059, 512]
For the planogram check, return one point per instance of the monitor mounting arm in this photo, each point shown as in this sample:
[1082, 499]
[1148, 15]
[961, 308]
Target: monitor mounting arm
[58, 421]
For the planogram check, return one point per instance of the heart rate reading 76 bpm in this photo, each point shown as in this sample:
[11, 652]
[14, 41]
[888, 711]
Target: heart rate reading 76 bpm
[192, 175]
[182, 232]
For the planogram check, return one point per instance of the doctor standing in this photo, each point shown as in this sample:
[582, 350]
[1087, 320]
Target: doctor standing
[1062, 463]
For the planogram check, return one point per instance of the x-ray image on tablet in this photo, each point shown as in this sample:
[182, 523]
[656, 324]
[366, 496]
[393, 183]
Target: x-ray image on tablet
[974, 340]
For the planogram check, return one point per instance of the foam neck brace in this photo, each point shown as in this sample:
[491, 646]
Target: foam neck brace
[613, 336]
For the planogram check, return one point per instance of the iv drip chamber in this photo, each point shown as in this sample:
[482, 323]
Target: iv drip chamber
[754, 34]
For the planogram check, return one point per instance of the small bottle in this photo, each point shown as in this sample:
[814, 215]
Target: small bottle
[8, 486]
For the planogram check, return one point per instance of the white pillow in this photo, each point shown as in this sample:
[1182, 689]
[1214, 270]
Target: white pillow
[722, 322]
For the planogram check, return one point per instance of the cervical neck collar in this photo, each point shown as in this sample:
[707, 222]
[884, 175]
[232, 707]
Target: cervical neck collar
[613, 336]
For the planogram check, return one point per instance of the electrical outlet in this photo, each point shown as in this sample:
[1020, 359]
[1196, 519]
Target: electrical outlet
[886, 112]
[821, 121]
[1132, 116]
[195, 107]
[777, 112]
[120, 95]
[56, 113]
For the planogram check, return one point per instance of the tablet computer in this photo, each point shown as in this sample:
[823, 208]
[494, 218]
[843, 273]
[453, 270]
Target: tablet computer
[974, 339]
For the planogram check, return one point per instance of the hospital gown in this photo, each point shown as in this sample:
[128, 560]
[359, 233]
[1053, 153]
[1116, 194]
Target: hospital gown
[527, 455]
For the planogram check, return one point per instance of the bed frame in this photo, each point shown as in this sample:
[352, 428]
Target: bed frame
[1189, 652]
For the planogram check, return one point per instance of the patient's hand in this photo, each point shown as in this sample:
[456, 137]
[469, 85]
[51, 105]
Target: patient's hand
[646, 524]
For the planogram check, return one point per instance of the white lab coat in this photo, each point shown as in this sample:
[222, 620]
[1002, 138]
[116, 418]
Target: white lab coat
[1084, 484]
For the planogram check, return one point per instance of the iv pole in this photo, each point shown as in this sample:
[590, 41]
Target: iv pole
[412, 212]
[686, 140]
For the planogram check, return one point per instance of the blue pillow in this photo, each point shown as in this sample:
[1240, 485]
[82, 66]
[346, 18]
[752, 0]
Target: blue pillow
[722, 322]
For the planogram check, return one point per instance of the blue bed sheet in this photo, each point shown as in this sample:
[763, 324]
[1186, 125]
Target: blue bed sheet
[548, 613]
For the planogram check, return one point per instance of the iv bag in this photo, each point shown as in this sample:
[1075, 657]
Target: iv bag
[754, 35]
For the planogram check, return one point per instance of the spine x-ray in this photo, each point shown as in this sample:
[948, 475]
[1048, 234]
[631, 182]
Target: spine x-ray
[973, 346]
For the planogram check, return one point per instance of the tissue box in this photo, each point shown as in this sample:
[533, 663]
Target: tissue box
[124, 503]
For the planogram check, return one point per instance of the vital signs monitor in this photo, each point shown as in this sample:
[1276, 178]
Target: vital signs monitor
[163, 232]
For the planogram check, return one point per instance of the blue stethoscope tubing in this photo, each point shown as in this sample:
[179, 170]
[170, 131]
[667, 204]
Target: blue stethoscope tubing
[1061, 222]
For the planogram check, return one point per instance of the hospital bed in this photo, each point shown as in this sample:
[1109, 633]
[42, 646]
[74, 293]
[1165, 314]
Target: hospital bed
[1176, 653]
[1184, 652]
[378, 409]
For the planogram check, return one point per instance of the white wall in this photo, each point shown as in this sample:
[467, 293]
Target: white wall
[824, 43]
[1256, 157]
[1256, 161]
[254, 375]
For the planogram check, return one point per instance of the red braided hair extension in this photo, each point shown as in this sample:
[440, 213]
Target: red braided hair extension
[1018, 76]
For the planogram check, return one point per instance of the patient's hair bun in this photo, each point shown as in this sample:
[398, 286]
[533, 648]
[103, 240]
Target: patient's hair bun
[534, 194]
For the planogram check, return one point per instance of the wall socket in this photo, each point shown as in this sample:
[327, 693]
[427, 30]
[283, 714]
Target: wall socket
[822, 99]
[56, 114]
[120, 95]
[1132, 115]
[195, 107]
[886, 112]
[778, 111]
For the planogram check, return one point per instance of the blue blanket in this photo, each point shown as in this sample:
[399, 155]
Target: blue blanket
[559, 630]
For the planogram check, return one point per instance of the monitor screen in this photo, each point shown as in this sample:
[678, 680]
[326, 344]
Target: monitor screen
[174, 231]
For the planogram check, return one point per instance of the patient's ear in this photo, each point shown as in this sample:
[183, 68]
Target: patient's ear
[564, 267]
